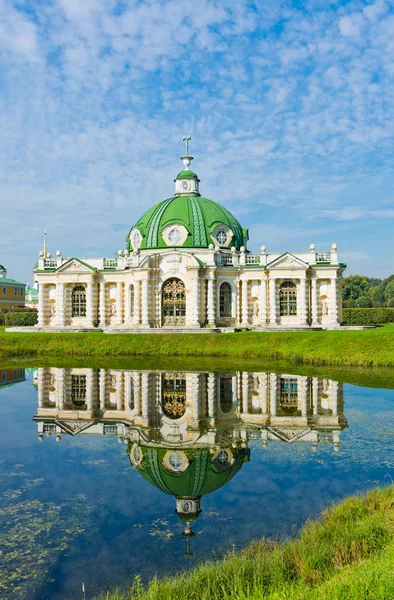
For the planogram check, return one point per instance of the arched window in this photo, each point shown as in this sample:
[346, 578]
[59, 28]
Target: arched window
[78, 390]
[174, 395]
[174, 302]
[225, 300]
[79, 301]
[288, 298]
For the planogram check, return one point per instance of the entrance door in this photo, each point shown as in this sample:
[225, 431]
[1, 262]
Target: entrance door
[174, 303]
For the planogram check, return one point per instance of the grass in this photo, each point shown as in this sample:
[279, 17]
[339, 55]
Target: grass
[347, 554]
[373, 347]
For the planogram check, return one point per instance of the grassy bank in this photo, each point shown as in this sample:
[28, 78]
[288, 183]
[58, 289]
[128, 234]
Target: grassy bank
[336, 348]
[347, 554]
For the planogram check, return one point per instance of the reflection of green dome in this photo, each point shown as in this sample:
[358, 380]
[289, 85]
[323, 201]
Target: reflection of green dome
[199, 478]
[198, 215]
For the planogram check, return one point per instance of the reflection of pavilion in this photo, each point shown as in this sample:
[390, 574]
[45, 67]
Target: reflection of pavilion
[187, 433]
[10, 376]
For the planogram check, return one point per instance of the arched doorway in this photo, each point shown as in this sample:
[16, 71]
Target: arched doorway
[173, 303]
[173, 395]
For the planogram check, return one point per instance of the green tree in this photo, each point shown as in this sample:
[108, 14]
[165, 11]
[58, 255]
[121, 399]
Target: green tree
[354, 286]
[363, 302]
[389, 291]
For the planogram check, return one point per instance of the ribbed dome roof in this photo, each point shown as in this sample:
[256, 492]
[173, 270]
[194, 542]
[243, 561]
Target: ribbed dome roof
[200, 477]
[200, 216]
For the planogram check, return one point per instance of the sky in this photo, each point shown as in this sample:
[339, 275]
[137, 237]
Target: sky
[290, 105]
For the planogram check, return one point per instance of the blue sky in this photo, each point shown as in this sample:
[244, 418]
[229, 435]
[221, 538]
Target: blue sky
[290, 106]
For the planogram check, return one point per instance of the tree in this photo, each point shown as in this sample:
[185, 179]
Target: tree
[354, 286]
[389, 291]
[363, 302]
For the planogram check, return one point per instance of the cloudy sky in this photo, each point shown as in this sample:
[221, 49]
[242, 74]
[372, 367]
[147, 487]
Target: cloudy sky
[290, 105]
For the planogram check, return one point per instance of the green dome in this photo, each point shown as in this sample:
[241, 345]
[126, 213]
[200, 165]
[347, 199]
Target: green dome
[198, 215]
[199, 478]
[187, 174]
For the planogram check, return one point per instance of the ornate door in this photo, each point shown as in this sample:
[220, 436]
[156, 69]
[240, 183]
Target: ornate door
[174, 303]
[174, 395]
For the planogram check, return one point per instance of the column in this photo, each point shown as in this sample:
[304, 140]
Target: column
[102, 388]
[119, 391]
[60, 304]
[145, 303]
[334, 301]
[137, 303]
[89, 389]
[315, 395]
[264, 393]
[303, 395]
[263, 302]
[137, 394]
[196, 397]
[127, 390]
[119, 303]
[127, 301]
[245, 393]
[273, 393]
[89, 304]
[302, 304]
[145, 395]
[211, 395]
[41, 304]
[334, 397]
[60, 388]
[211, 300]
[273, 315]
[41, 381]
[102, 314]
[245, 304]
[195, 301]
[315, 322]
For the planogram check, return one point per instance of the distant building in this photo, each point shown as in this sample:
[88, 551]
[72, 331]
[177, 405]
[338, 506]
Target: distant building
[12, 293]
[31, 299]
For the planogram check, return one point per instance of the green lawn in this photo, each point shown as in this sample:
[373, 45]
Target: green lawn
[347, 554]
[373, 347]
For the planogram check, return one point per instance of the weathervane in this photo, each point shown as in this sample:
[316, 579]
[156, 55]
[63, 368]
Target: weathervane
[186, 159]
[186, 139]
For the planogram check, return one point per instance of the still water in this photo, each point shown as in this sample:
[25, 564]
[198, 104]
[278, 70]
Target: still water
[106, 474]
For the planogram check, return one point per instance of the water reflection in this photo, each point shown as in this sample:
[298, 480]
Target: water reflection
[187, 433]
[11, 376]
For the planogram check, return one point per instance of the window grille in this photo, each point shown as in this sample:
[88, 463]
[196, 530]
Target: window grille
[174, 302]
[79, 301]
[226, 394]
[174, 395]
[288, 298]
[78, 389]
[225, 300]
[288, 392]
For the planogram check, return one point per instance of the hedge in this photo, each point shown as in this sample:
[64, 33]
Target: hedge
[20, 319]
[367, 316]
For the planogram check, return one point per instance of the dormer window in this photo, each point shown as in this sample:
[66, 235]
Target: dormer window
[135, 239]
[221, 237]
[174, 236]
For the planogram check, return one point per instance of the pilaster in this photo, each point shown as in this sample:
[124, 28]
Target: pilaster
[119, 303]
[145, 303]
[302, 304]
[272, 301]
[315, 322]
[211, 300]
[137, 303]
[41, 304]
[60, 304]
[89, 304]
[263, 302]
[245, 303]
[102, 314]
[195, 301]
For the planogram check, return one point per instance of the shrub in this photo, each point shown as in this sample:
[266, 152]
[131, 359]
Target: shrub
[20, 319]
[367, 316]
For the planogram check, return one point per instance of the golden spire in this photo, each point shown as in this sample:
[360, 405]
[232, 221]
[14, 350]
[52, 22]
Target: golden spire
[45, 243]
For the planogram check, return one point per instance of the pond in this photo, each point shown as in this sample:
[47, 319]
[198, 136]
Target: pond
[106, 474]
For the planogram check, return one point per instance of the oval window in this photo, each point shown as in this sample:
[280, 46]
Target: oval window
[174, 236]
[221, 237]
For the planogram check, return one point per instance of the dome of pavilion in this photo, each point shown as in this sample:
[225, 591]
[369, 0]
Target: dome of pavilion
[186, 220]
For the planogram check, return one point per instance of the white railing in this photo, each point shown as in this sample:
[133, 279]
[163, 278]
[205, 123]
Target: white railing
[110, 263]
[252, 259]
[50, 263]
[323, 257]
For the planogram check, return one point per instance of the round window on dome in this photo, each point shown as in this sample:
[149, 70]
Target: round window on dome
[174, 236]
[221, 237]
[135, 239]
[175, 460]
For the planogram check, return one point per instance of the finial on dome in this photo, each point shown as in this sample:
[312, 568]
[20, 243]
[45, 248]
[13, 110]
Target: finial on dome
[186, 159]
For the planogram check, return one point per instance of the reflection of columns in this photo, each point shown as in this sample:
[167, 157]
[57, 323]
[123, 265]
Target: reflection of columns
[211, 300]
[137, 394]
[60, 303]
[89, 304]
[245, 392]
[60, 388]
[245, 304]
[314, 302]
[41, 380]
[102, 388]
[195, 304]
[334, 396]
[89, 389]
[119, 390]
[303, 394]
[273, 393]
[334, 301]
[263, 302]
[196, 396]
[127, 387]
[211, 394]
[272, 285]
[102, 304]
[119, 303]
[145, 395]
[315, 395]
[145, 299]
[302, 310]
[41, 304]
[137, 303]
[263, 393]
